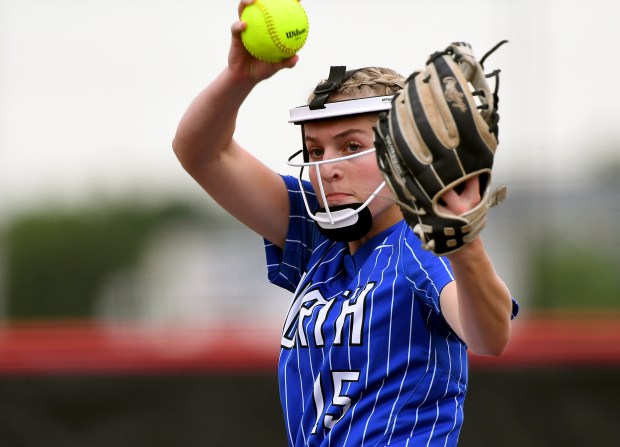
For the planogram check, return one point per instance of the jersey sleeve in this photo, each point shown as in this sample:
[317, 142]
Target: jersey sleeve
[426, 273]
[285, 267]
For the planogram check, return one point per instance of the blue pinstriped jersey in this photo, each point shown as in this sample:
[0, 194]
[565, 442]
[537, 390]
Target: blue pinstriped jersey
[367, 358]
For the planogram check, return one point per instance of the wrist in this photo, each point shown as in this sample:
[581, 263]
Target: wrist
[472, 251]
[232, 88]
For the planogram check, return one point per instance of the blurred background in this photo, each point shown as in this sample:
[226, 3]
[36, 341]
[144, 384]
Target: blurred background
[133, 311]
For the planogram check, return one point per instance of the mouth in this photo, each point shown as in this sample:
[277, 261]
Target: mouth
[339, 198]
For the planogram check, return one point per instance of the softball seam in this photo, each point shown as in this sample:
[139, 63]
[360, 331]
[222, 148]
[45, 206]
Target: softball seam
[271, 29]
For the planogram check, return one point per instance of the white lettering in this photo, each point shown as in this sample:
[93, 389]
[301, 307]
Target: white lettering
[354, 310]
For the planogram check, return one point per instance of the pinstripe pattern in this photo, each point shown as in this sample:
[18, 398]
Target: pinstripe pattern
[367, 359]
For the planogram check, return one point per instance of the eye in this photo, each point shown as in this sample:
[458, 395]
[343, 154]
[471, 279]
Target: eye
[316, 153]
[353, 147]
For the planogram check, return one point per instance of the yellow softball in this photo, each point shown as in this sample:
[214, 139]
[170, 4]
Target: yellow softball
[276, 29]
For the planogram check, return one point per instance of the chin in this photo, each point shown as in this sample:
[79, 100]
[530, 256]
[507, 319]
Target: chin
[338, 203]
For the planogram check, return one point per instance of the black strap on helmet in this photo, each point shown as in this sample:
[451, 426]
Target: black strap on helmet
[337, 75]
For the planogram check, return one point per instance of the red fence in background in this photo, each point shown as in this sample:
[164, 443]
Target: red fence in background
[71, 347]
[566, 338]
[86, 347]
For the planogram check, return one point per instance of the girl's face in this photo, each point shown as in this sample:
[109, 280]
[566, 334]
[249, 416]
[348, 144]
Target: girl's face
[353, 180]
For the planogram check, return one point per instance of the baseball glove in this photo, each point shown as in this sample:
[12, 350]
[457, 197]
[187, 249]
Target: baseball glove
[441, 131]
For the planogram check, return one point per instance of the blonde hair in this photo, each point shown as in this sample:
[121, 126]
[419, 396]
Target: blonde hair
[367, 82]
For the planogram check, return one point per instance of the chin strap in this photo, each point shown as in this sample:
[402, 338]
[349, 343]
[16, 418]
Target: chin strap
[347, 233]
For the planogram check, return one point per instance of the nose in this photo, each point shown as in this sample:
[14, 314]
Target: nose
[331, 167]
[331, 171]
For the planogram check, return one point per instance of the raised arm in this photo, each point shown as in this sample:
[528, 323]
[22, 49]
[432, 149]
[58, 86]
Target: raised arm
[204, 144]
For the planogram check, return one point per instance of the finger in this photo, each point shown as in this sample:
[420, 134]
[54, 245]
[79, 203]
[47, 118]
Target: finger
[472, 186]
[237, 28]
[450, 196]
[243, 4]
[451, 202]
[289, 63]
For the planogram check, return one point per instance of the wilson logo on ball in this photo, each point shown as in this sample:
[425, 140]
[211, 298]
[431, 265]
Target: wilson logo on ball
[295, 33]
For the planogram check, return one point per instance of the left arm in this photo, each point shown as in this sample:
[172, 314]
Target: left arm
[478, 304]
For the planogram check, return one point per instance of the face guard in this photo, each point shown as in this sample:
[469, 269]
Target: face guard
[345, 222]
